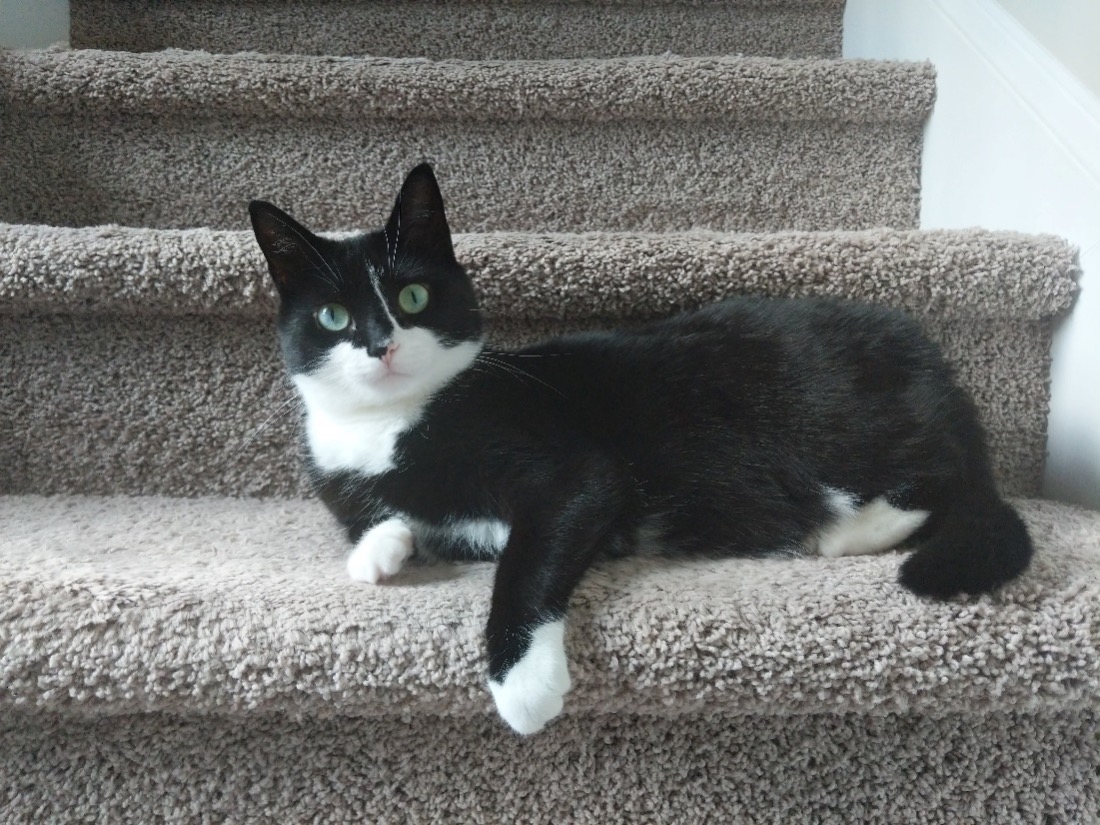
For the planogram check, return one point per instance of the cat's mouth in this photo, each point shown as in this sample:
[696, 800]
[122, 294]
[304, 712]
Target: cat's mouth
[379, 375]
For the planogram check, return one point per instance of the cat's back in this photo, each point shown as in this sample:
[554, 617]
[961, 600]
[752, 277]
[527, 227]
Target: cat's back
[744, 338]
[774, 370]
[797, 323]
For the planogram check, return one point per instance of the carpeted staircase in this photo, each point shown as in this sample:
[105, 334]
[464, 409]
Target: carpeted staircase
[178, 639]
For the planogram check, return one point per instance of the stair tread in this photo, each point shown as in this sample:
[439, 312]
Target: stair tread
[219, 605]
[948, 273]
[665, 87]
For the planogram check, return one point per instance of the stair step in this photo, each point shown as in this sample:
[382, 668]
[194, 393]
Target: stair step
[540, 276]
[237, 607]
[166, 655]
[146, 360]
[477, 30]
[894, 769]
[181, 139]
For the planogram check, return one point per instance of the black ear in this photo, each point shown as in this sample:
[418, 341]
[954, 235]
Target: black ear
[292, 251]
[418, 224]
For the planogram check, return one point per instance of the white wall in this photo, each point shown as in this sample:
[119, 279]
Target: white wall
[1068, 29]
[33, 24]
[1014, 143]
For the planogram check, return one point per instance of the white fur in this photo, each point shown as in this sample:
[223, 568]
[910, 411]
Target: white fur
[875, 527]
[356, 406]
[362, 441]
[488, 535]
[485, 536]
[381, 551]
[841, 503]
[532, 691]
[376, 282]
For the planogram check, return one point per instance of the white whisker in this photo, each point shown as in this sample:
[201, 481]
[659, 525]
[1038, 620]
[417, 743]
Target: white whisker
[515, 371]
[336, 280]
[279, 411]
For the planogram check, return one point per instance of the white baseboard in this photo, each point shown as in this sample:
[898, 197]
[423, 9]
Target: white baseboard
[1013, 143]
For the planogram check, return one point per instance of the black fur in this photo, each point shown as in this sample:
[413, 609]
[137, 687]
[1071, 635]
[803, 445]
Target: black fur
[723, 424]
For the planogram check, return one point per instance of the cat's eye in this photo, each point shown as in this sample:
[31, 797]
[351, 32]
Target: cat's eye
[333, 317]
[413, 298]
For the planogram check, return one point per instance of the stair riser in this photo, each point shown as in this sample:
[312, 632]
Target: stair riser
[545, 175]
[475, 30]
[167, 405]
[897, 769]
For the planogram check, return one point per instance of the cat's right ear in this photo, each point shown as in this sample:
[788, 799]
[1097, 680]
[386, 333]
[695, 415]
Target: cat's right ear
[291, 249]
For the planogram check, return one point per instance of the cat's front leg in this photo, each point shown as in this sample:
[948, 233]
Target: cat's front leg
[381, 551]
[532, 692]
[547, 553]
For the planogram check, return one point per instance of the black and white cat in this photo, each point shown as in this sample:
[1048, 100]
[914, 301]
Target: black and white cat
[745, 427]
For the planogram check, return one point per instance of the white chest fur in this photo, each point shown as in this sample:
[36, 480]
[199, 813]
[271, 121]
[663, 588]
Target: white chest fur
[349, 436]
[357, 407]
[360, 442]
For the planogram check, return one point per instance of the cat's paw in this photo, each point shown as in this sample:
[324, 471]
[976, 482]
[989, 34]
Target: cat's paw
[381, 552]
[532, 692]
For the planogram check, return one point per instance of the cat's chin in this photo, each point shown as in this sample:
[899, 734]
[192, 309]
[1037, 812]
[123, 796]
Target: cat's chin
[381, 382]
[365, 394]
[388, 389]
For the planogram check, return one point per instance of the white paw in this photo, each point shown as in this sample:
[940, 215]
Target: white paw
[532, 691]
[381, 551]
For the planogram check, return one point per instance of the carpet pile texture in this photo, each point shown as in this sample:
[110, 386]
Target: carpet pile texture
[179, 641]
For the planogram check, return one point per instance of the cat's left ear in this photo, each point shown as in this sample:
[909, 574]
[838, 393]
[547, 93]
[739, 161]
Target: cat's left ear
[291, 249]
[418, 223]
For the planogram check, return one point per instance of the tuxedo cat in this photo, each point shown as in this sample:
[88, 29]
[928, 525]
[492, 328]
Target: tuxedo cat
[742, 428]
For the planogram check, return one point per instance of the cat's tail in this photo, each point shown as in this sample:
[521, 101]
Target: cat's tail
[974, 547]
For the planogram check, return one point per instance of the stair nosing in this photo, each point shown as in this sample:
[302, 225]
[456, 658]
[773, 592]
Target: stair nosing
[221, 272]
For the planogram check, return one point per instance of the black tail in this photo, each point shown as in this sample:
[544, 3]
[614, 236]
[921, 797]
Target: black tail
[974, 548]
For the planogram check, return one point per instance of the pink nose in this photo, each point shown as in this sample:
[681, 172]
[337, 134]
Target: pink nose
[388, 357]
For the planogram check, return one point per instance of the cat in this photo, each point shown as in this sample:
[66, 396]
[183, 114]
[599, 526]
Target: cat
[747, 426]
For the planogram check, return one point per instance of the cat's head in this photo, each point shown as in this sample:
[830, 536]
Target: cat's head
[374, 319]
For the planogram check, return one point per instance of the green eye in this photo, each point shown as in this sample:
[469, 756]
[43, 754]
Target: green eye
[332, 317]
[413, 298]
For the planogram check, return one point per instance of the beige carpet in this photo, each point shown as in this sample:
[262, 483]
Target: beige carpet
[125, 605]
[177, 139]
[218, 662]
[474, 29]
[905, 769]
[182, 321]
[183, 646]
